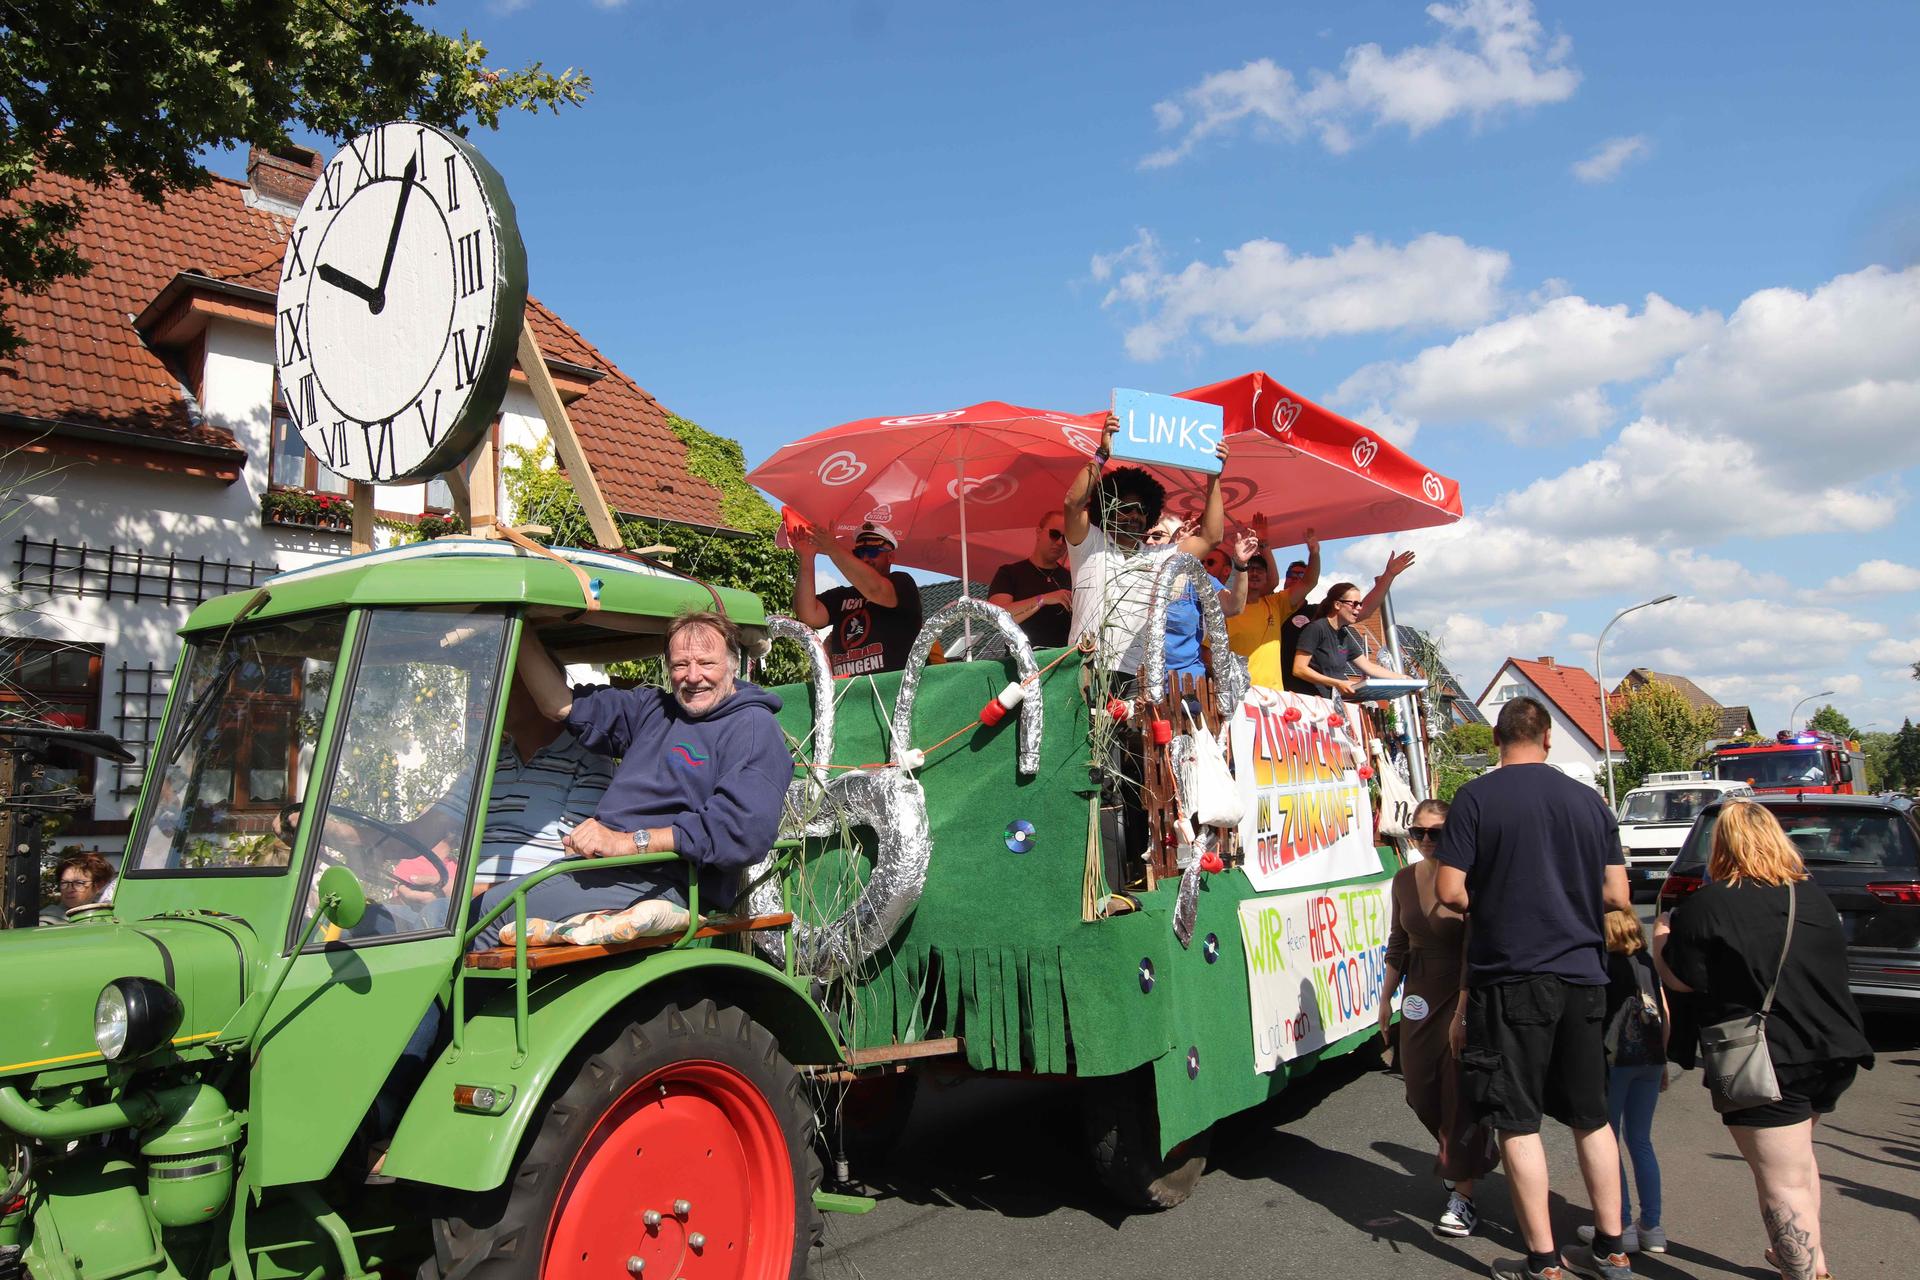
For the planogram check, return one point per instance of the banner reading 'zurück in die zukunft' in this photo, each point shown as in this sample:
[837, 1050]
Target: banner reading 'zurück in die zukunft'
[1308, 816]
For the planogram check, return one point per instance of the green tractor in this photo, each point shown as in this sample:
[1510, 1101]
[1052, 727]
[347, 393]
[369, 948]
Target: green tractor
[198, 1081]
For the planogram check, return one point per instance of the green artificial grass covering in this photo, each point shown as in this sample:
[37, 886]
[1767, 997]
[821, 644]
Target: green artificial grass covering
[996, 952]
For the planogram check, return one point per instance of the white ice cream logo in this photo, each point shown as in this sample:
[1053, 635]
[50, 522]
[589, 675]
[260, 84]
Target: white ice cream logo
[1080, 438]
[1363, 450]
[916, 419]
[882, 514]
[1285, 413]
[1431, 486]
[841, 468]
[987, 490]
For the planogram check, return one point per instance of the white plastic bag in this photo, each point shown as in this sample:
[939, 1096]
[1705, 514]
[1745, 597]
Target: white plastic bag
[1213, 798]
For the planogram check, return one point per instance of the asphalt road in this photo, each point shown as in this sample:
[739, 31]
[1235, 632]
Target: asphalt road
[1333, 1178]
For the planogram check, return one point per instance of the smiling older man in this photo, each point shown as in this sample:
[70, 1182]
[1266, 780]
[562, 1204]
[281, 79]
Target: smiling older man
[703, 773]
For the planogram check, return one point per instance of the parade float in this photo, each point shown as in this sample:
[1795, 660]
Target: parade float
[194, 1081]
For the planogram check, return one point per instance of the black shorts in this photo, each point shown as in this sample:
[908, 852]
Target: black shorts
[1811, 1089]
[1535, 1047]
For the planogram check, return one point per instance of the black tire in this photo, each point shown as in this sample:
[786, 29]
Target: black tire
[503, 1237]
[1122, 1128]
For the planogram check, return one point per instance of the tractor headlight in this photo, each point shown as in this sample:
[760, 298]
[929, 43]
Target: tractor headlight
[134, 1016]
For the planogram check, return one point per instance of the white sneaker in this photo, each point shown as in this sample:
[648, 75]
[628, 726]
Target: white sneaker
[1459, 1217]
[1629, 1239]
[1653, 1239]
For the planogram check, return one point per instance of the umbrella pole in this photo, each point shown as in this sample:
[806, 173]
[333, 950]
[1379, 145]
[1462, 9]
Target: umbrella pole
[966, 583]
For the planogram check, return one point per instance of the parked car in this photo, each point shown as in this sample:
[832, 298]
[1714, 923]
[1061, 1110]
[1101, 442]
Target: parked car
[1656, 816]
[1865, 852]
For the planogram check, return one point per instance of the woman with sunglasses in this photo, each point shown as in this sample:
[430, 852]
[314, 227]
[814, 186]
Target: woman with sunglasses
[1427, 945]
[1332, 654]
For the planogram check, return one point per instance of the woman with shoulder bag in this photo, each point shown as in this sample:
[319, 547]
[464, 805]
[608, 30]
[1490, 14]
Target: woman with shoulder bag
[1636, 1024]
[1761, 945]
[1427, 943]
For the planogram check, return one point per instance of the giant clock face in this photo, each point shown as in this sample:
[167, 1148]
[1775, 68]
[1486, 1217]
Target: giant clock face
[402, 294]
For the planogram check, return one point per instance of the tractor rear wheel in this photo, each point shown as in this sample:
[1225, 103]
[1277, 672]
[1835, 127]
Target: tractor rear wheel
[682, 1144]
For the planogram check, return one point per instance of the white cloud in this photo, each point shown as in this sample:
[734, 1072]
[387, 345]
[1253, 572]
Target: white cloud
[1475, 648]
[1826, 383]
[1610, 157]
[1547, 368]
[1875, 578]
[1662, 482]
[1493, 55]
[1264, 292]
[1895, 653]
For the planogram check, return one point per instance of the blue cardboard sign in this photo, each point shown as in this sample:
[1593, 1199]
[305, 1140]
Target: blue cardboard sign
[1167, 431]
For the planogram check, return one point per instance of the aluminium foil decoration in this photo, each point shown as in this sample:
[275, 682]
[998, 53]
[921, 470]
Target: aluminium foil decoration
[1031, 711]
[890, 803]
[1174, 572]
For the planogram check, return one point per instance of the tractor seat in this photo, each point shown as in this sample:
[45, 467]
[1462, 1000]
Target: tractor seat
[552, 956]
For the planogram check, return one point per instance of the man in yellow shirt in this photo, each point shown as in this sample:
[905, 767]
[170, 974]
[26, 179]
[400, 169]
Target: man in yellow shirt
[1257, 632]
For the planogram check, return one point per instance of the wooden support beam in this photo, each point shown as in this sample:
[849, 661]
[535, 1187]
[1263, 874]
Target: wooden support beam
[361, 494]
[482, 490]
[565, 443]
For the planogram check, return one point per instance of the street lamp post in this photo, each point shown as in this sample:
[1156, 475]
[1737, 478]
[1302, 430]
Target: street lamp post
[1606, 753]
[1794, 714]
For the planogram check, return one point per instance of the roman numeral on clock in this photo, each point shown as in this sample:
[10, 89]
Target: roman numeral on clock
[291, 347]
[296, 265]
[453, 183]
[472, 267]
[372, 157]
[429, 424]
[466, 359]
[333, 444]
[379, 441]
[330, 186]
[306, 403]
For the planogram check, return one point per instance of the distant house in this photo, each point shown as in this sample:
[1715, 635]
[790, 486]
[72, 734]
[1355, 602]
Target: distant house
[1572, 697]
[1733, 722]
[1456, 707]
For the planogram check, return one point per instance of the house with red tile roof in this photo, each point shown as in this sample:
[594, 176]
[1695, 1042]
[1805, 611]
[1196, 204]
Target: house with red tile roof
[1572, 698]
[151, 458]
[1730, 722]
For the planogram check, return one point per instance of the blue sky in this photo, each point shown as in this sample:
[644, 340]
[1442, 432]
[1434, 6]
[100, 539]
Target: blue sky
[1447, 222]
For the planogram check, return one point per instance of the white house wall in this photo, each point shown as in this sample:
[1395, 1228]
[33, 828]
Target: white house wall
[1569, 744]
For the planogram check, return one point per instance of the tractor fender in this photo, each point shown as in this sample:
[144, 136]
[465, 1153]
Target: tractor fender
[470, 1151]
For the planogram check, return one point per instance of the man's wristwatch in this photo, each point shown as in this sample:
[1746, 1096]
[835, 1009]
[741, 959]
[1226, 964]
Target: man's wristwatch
[642, 840]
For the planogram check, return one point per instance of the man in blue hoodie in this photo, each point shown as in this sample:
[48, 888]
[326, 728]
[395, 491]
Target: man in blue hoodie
[703, 773]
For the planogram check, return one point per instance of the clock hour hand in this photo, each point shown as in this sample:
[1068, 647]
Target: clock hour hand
[379, 300]
[341, 280]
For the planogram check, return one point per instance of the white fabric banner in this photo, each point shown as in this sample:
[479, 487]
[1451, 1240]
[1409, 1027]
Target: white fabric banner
[1309, 819]
[1316, 964]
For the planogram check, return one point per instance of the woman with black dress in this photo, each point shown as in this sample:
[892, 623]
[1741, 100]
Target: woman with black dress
[1724, 944]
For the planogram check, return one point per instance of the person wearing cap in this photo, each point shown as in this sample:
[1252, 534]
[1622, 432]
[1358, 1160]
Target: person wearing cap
[876, 616]
[1263, 633]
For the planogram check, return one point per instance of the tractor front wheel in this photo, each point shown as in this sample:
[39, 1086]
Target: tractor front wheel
[682, 1145]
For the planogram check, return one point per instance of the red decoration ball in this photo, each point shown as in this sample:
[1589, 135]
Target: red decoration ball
[1290, 715]
[1162, 732]
[993, 713]
[1366, 771]
[1116, 709]
[1336, 720]
[1211, 864]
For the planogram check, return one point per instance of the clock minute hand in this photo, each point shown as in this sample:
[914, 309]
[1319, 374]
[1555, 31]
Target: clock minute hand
[379, 300]
[341, 280]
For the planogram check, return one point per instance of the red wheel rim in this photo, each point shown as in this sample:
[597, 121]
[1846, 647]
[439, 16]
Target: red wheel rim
[697, 1133]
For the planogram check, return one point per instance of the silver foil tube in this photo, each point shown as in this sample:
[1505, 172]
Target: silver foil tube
[1031, 712]
[1229, 674]
[891, 804]
[819, 681]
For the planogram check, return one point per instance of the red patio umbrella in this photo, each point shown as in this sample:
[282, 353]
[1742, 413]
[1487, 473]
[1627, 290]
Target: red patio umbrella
[953, 486]
[1306, 467]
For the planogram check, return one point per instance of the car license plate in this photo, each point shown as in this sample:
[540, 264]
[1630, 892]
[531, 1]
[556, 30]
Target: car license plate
[1655, 873]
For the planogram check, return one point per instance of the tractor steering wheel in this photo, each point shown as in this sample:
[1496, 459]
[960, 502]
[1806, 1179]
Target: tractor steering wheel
[388, 829]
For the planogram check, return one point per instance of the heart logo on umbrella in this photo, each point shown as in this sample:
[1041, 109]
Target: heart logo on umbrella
[1082, 439]
[1285, 412]
[841, 468]
[1363, 450]
[916, 419]
[1431, 486]
[987, 490]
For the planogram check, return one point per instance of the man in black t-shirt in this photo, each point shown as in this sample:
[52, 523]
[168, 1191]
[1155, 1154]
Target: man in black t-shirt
[876, 617]
[1534, 858]
[1038, 591]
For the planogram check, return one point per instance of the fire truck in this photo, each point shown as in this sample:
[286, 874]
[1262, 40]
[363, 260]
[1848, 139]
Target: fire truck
[1811, 760]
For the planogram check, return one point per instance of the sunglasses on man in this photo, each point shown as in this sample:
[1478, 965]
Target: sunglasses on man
[871, 550]
[1056, 535]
